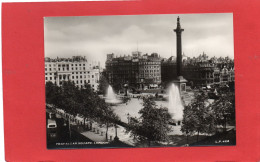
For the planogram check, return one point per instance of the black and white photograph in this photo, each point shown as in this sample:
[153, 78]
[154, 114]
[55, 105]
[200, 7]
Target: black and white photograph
[133, 81]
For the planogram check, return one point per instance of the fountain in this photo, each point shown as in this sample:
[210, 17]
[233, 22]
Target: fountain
[111, 96]
[175, 104]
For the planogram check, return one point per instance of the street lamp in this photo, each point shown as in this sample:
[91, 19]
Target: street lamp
[126, 87]
[128, 117]
[116, 137]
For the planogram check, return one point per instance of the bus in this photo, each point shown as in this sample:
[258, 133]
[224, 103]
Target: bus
[52, 129]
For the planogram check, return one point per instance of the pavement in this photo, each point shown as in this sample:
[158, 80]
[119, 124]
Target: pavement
[98, 133]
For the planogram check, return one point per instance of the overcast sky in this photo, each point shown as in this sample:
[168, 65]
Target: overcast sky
[96, 36]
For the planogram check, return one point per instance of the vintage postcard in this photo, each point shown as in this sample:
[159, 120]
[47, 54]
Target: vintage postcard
[140, 81]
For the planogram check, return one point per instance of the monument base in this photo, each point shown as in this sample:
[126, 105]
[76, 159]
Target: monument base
[181, 82]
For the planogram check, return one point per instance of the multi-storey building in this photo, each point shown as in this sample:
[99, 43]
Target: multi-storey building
[200, 71]
[137, 70]
[76, 69]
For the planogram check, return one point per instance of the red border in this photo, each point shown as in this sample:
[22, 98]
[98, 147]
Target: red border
[23, 80]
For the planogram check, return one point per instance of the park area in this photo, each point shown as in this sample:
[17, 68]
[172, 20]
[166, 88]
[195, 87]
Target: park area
[146, 119]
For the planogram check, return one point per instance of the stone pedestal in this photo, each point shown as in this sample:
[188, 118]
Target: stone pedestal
[181, 82]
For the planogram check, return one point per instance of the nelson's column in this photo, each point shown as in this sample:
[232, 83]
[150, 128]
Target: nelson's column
[180, 81]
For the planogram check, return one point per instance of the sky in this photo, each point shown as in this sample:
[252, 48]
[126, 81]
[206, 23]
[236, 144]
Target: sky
[97, 36]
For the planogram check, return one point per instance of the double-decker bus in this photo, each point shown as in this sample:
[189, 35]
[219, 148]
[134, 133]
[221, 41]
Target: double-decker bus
[51, 129]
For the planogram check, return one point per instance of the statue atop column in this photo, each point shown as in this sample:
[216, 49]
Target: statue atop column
[179, 80]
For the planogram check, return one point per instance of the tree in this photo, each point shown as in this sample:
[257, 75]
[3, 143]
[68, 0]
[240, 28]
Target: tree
[152, 124]
[103, 84]
[69, 97]
[188, 122]
[53, 94]
[224, 108]
[68, 100]
[198, 117]
[94, 107]
[117, 84]
[105, 114]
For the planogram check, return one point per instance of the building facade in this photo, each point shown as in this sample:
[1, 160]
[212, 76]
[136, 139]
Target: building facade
[137, 71]
[200, 71]
[76, 69]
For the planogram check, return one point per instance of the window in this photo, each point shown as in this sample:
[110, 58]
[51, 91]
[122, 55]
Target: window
[72, 77]
[88, 81]
[79, 64]
[92, 76]
[46, 78]
[81, 77]
[50, 78]
[80, 81]
[45, 69]
[76, 77]
[76, 72]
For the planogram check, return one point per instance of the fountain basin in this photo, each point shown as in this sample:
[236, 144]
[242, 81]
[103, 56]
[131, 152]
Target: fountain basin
[113, 101]
[111, 97]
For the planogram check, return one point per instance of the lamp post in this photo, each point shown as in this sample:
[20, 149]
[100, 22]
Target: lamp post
[126, 87]
[128, 117]
[116, 137]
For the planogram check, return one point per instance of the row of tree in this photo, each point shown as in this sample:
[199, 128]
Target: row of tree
[80, 100]
[202, 116]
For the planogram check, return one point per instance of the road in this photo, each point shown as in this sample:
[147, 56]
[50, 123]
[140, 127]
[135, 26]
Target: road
[64, 138]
